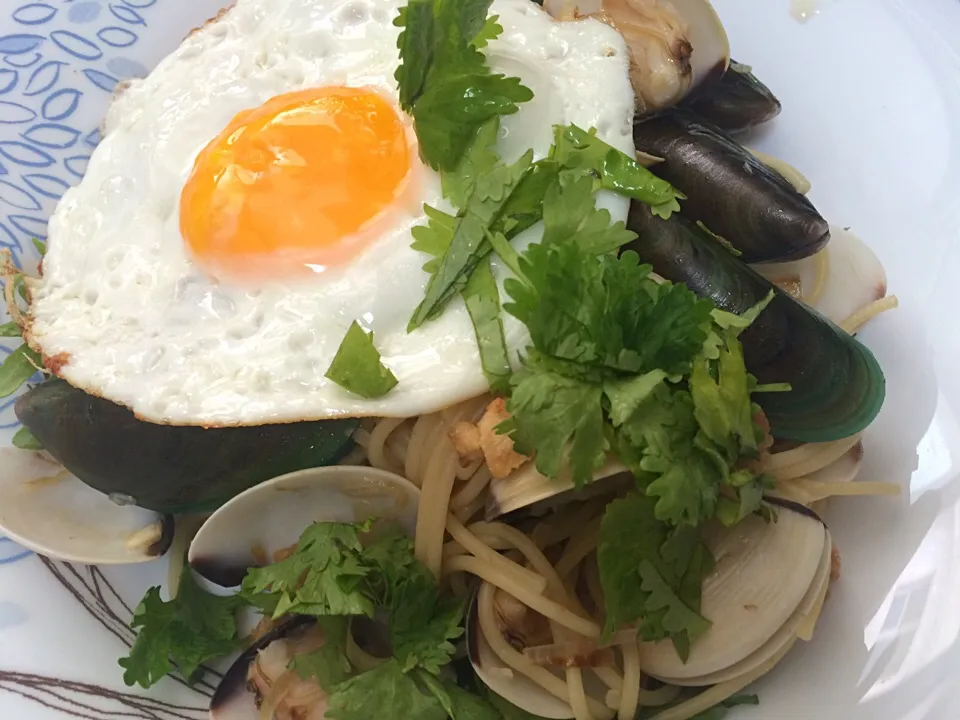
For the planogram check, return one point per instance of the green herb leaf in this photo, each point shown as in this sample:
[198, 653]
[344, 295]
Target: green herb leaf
[575, 148]
[460, 704]
[329, 665]
[384, 693]
[491, 30]
[357, 367]
[18, 367]
[193, 628]
[416, 43]
[570, 212]
[26, 440]
[324, 576]
[40, 245]
[482, 298]
[10, 329]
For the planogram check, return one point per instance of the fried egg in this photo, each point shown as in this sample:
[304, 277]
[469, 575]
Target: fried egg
[255, 195]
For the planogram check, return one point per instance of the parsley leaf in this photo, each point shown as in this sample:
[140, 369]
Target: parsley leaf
[460, 704]
[385, 692]
[444, 79]
[324, 576]
[18, 367]
[650, 573]
[482, 297]
[328, 665]
[573, 214]
[357, 367]
[575, 148]
[193, 628]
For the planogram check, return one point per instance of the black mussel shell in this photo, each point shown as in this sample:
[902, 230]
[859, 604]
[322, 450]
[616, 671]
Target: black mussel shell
[167, 468]
[735, 195]
[735, 101]
[837, 384]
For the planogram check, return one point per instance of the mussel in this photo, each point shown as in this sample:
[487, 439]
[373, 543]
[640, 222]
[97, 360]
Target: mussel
[735, 101]
[165, 468]
[675, 44]
[730, 191]
[45, 508]
[837, 384]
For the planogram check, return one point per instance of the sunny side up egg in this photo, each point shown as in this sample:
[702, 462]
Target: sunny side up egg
[255, 195]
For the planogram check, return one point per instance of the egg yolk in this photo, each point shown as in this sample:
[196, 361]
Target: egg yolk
[296, 181]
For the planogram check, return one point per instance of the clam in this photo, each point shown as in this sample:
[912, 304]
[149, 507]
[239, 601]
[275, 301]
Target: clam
[165, 468]
[674, 44]
[735, 101]
[731, 191]
[837, 384]
[249, 531]
[846, 279]
[46, 509]
[270, 517]
[767, 579]
[526, 488]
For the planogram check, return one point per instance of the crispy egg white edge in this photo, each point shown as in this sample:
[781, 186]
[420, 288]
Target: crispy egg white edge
[141, 326]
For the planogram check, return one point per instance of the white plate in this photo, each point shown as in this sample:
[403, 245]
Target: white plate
[871, 103]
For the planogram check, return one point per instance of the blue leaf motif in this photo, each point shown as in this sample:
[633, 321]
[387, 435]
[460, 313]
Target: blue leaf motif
[127, 15]
[34, 14]
[22, 61]
[10, 552]
[139, 3]
[14, 114]
[52, 135]
[16, 197]
[30, 226]
[8, 239]
[61, 104]
[43, 78]
[117, 36]
[8, 80]
[101, 80]
[93, 138]
[25, 155]
[76, 45]
[3, 170]
[47, 185]
[18, 44]
[126, 68]
[77, 164]
[83, 12]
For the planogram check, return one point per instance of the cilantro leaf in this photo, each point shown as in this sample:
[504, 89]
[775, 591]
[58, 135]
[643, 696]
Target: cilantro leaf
[480, 159]
[18, 367]
[26, 440]
[491, 30]
[460, 704]
[324, 576]
[651, 574]
[482, 297]
[328, 665]
[357, 367]
[550, 409]
[193, 628]
[468, 244]
[416, 44]
[575, 148]
[386, 693]
[434, 237]
[572, 213]
[10, 329]
[722, 407]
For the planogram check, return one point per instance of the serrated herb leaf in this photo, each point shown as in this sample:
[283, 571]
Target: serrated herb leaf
[18, 367]
[482, 298]
[357, 367]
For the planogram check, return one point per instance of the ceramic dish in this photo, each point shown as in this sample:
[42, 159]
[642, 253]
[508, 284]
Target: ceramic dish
[870, 96]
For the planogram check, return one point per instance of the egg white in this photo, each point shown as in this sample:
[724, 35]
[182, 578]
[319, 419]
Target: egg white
[138, 322]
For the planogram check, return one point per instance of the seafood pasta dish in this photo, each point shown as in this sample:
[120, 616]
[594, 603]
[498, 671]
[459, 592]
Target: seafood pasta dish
[466, 358]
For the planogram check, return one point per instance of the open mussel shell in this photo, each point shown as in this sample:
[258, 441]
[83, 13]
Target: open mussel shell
[767, 579]
[730, 191]
[526, 489]
[674, 44]
[735, 101]
[237, 693]
[837, 384]
[166, 468]
[46, 509]
[271, 516]
[853, 278]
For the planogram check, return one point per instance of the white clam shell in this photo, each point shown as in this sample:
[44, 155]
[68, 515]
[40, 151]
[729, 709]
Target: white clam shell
[762, 574]
[272, 515]
[854, 278]
[48, 510]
